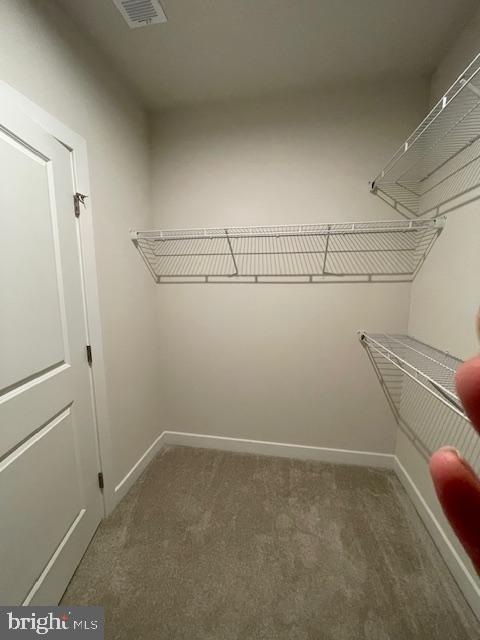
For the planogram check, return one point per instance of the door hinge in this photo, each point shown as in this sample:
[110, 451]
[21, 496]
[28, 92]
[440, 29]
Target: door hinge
[89, 355]
[78, 198]
[100, 480]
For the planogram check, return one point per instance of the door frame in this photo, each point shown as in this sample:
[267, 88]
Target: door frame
[81, 184]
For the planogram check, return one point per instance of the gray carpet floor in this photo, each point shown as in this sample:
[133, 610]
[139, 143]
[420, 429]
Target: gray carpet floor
[211, 545]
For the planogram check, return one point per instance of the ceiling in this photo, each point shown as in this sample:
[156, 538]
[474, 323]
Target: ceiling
[213, 50]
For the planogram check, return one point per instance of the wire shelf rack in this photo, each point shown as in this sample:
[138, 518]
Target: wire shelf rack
[419, 384]
[356, 251]
[440, 161]
[433, 369]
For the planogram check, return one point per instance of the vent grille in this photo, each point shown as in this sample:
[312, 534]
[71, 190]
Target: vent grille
[141, 13]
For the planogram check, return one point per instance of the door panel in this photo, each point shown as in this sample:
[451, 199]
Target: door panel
[29, 406]
[35, 501]
[50, 503]
[27, 251]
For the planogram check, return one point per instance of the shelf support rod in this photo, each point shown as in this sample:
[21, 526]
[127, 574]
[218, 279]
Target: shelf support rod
[384, 386]
[231, 253]
[325, 255]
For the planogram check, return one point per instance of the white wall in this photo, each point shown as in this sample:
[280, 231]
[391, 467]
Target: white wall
[43, 56]
[458, 56]
[273, 362]
[445, 298]
[270, 361]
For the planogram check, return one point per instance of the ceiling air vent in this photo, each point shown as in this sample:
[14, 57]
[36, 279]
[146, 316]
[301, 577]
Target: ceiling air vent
[141, 13]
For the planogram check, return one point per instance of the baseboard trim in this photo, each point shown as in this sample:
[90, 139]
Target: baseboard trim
[142, 463]
[279, 449]
[241, 445]
[459, 570]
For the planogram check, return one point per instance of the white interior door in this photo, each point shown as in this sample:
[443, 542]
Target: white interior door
[50, 502]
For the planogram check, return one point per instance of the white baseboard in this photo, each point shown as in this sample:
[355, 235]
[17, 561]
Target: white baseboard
[280, 449]
[462, 574]
[259, 447]
[142, 463]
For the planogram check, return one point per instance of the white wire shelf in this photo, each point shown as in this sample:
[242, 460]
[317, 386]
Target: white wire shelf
[439, 163]
[356, 251]
[419, 384]
[431, 368]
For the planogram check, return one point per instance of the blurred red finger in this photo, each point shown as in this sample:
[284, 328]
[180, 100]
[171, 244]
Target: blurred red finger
[468, 387]
[458, 490]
